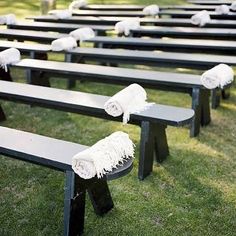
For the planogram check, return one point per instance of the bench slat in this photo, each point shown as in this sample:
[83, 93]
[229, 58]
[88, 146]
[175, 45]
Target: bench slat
[89, 104]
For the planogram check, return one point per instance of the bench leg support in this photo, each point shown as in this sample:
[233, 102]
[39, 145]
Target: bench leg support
[215, 98]
[153, 142]
[225, 93]
[196, 106]
[100, 197]
[205, 105]
[161, 149]
[2, 114]
[5, 75]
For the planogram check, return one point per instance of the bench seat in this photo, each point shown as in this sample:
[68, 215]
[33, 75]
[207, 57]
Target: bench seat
[157, 116]
[57, 154]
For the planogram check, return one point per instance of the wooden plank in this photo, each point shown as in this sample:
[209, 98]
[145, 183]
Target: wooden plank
[211, 2]
[56, 27]
[88, 104]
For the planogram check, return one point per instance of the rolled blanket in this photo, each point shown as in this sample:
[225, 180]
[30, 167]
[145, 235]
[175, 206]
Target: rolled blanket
[78, 4]
[130, 99]
[65, 43]
[222, 9]
[233, 6]
[9, 19]
[218, 76]
[61, 14]
[151, 10]
[201, 18]
[82, 33]
[8, 57]
[124, 27]
[103, 156]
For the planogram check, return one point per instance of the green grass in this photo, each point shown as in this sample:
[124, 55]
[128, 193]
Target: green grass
[192, 193]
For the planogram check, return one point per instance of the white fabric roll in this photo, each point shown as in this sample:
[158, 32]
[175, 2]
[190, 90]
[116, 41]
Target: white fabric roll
[78, 4]
[8, 57]
[124, 27]
[130, 99]
[151, 10]
[233, 6]
[218, 76]
[222, 9]
[201, 18]
[82, 34]
[103, 156]
[61, 14]
[65, 43]
[9, 19]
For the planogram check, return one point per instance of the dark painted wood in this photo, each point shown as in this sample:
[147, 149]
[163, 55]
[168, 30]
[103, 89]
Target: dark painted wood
[57, 154]
[183, 45]
[188, 14]
[92, 105]
[108, 7]
[185, 32]
[215, 102]
[211, 2]
[108, 21]
[226, 93]
[57, 27]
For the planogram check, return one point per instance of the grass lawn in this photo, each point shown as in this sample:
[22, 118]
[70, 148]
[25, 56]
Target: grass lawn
[191, 193]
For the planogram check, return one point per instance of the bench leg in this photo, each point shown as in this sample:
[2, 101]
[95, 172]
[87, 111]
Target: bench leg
[215, 98]
[75, 59]
[5, 75]
[146, 150]
[161, 149]
[74, 206]
[2, 114]
[196, 106]
[100, 197]
[205, 113]
[225, 93]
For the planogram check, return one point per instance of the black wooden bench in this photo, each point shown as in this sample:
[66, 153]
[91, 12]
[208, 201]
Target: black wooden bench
[57, 154]
[90, 20]
[108, 7]
[177, 45]
[185, 32]
[193, 45]
[177, 82]
[153, 121]
[211, 2]
[143, 21]
[164, 59]
[58, 27]
[188, 14]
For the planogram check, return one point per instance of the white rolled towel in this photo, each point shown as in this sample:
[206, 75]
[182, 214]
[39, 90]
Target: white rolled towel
[82, 33]
[151, 10]
[103, 156]
[218, 76]
[78, 4]
[9, 19]
[201, 18]
[124, 26]
[233, 6]
[61, 14]
[222, 9]
[65, 43]
[130, 99]
[8, 57]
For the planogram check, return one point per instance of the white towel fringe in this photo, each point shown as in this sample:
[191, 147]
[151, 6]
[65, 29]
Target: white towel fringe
[218, 76]
[78, 4]
[151, 10]
[131, 99]
[201, 18]
[66, 43]
[8, 57]
[104, 156]
[82, 34]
